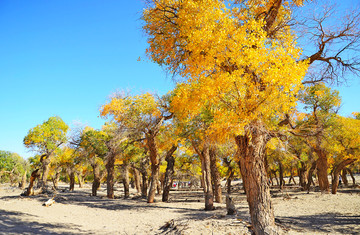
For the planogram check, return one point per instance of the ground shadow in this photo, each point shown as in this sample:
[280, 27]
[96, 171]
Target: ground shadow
[13, 223]
[322, 223]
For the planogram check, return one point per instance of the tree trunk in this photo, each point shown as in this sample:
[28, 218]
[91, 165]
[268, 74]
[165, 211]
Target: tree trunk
[136, 179]
[81, 180]
[125, 169]
[206, 171]
[215, 176]
[144, 177]
[110, 168]
[96, 182]
[252, 150]
[150, 141]
[352, 176]
[56, 178]
[302, 175]
[169, 173]
[45, 172]
[322, 167]
[344, 178]
[230, 173]
[34, 175]
[310, 175]
[23, 181]
[281, 175]
[336, 173]
[72, 180]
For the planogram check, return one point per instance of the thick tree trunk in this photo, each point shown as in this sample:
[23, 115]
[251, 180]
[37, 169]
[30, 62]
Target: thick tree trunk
[72, 180]
[125, 170]
[96, 182]
[336, 173]
[322, 167]
[110, 168]
[45, 172]
[215, 176]
[169, 173]
[252, 149]
[150, 141]
[34, 175]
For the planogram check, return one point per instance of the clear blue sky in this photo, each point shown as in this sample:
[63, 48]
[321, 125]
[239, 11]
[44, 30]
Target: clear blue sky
[65, 57]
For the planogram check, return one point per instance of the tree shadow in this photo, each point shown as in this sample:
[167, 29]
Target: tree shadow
[14, 223]
[327, 223]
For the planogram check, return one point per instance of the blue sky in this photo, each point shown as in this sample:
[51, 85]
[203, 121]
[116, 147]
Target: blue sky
[65, 57]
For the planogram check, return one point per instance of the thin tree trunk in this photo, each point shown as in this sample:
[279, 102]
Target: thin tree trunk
[110, 168]
[209, 197]
[56, 178]
[169, 173]
[96, 182]
[72, 180]
[302, 175]
[310, 175]
[125, 169]
[352, 176]
[81, 180]
[144, 177]
[230, 173]
[215, 176]
[344, 178]
[252, 149]
[136, 179]
[281, 175]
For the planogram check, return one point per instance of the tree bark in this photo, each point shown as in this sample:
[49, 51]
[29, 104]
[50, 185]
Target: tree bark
[169, 173]
[45, 160]
[96, 182]
[137, 182]
[150, 141]
[215, 176]
[302, 175]
[322, 167]
[352, 176]
[72, 180]
[281, 175]
[110, 168]
[81, 180]
[56, 178]
[144, 177]
[344, 178]
[34, 175]
[125, 170]
[252, 147]
[310, 175]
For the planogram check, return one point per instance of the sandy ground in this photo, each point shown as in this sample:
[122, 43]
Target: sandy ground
[78, 213]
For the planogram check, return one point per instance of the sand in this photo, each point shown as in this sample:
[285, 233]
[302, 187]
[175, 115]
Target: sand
[77, 212]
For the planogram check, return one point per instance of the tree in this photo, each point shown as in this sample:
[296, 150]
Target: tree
[345, 146]
[234, 56]
[13, 168]
[45, 139]
[93, 142]
[143, 115]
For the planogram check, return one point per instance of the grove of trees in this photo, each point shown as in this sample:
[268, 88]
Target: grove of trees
[248, 104]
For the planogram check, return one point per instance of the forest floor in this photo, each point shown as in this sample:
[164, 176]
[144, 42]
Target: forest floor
[77, 212]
